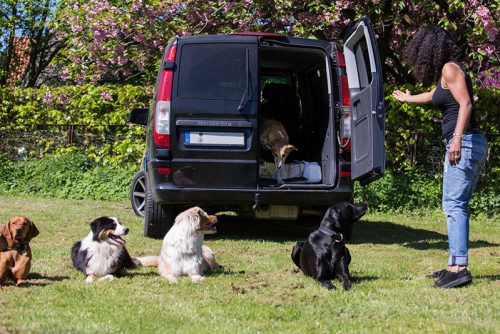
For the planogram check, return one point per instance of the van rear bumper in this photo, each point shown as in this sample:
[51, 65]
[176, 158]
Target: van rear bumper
[167, 193]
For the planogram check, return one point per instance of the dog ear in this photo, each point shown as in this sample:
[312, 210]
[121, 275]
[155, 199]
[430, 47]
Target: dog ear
[94, 227]
[5, 231]
[359, 210]
[196, 218]
[190, 218]
[332, 217]
[287, 149]
[33, 231]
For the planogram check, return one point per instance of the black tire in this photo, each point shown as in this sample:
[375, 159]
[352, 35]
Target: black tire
[158, 218]
[138, 193]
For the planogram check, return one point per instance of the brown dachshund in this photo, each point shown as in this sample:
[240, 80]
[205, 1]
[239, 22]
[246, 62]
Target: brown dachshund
[15, 251]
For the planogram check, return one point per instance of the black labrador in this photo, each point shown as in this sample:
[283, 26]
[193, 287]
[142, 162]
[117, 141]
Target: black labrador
[324, 255]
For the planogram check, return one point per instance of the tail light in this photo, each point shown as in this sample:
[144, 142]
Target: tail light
[165, 170]
[163, 99]
[345, 120]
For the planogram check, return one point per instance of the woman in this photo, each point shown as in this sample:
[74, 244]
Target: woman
[430, 54]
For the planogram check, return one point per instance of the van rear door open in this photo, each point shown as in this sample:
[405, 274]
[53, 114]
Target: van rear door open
[364, 72]
[214, 113]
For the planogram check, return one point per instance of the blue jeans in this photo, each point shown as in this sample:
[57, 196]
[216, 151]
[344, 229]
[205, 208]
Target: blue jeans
[459, 182]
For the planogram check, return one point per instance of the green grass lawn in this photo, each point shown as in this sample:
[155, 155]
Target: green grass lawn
[259, 290]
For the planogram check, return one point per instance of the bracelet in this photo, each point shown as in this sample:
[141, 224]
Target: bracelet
[456, 134]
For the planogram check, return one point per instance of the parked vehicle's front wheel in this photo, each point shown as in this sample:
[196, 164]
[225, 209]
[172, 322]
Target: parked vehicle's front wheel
[158, 218]
[138, 193]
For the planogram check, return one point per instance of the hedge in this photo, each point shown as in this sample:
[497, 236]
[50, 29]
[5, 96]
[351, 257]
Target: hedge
[74, 118]
[72, 175]
[92, 120]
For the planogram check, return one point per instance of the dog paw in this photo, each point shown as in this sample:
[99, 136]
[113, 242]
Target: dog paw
[171, 279]
[197, 278]
[89, 279]
[347, 286]
[107, 278]
[21, 283]
[327, 284]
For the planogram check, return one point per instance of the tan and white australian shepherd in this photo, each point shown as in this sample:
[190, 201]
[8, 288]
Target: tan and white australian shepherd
[182, 252]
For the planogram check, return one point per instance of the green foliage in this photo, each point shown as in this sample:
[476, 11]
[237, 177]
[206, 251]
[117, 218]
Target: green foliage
[411, 128]
[415, 192]
[99, 115]
[404, 124]
[487, 109]
[415, 154]
[65, 176]
[413, 145]
[408, 192]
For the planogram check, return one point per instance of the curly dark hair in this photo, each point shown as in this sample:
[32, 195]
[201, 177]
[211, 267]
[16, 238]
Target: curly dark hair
[427, 53]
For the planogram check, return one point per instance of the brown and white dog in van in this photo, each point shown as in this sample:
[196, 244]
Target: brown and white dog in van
[273, 137]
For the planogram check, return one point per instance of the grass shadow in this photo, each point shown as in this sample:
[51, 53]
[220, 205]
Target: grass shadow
[378, 232]
[234, 228]
[35, 279]
[135, 273]
[225, 272]
[47, 278]
[387, 233]
[356, 279]
[487, 277]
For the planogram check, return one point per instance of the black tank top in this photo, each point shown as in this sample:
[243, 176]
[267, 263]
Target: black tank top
[444, 100]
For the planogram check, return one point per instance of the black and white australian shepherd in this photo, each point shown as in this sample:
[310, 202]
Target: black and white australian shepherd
[102, 252]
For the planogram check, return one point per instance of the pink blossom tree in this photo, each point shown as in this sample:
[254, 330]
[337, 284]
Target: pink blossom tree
[113, 41]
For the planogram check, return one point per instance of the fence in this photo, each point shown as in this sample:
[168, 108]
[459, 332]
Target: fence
[425, 152]
[45, 139]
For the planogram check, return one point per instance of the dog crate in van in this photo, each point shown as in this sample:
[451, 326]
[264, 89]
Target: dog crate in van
[202, 141]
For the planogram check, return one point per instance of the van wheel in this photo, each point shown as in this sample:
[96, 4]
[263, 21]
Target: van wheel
[158, 218]
[138, 193]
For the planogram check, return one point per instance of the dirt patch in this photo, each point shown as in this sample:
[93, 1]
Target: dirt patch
[268, 288]
[7, 330]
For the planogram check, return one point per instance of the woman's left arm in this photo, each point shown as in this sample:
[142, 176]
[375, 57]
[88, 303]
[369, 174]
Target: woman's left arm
[454, 79]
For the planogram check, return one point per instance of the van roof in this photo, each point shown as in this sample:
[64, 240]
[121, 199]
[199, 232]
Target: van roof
[252, 37]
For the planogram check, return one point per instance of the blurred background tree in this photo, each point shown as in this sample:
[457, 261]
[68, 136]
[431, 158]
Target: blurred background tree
[28, 40]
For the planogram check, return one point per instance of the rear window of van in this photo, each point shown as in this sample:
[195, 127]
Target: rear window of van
[212, 71]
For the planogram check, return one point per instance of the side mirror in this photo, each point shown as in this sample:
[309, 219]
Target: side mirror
[138, 116]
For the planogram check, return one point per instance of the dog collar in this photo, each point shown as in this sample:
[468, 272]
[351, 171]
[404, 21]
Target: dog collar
[334, 235]
[20, 246]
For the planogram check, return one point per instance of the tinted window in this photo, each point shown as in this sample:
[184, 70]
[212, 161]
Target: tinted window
[363, 63]
[213, 71]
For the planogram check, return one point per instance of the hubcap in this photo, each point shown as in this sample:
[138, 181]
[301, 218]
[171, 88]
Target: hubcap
[139, 196]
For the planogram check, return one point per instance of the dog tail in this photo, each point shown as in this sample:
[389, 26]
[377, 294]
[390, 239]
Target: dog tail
[148, 261]
[209, 257]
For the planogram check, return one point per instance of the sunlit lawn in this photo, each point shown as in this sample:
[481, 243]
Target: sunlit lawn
[259, 289]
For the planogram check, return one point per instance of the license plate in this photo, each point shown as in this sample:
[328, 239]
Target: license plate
[206, 138]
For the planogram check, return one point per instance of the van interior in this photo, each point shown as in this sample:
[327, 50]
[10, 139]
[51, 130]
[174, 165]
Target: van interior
[294, 89]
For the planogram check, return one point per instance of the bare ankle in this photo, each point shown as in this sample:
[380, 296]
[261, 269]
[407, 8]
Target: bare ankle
[456, 268]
